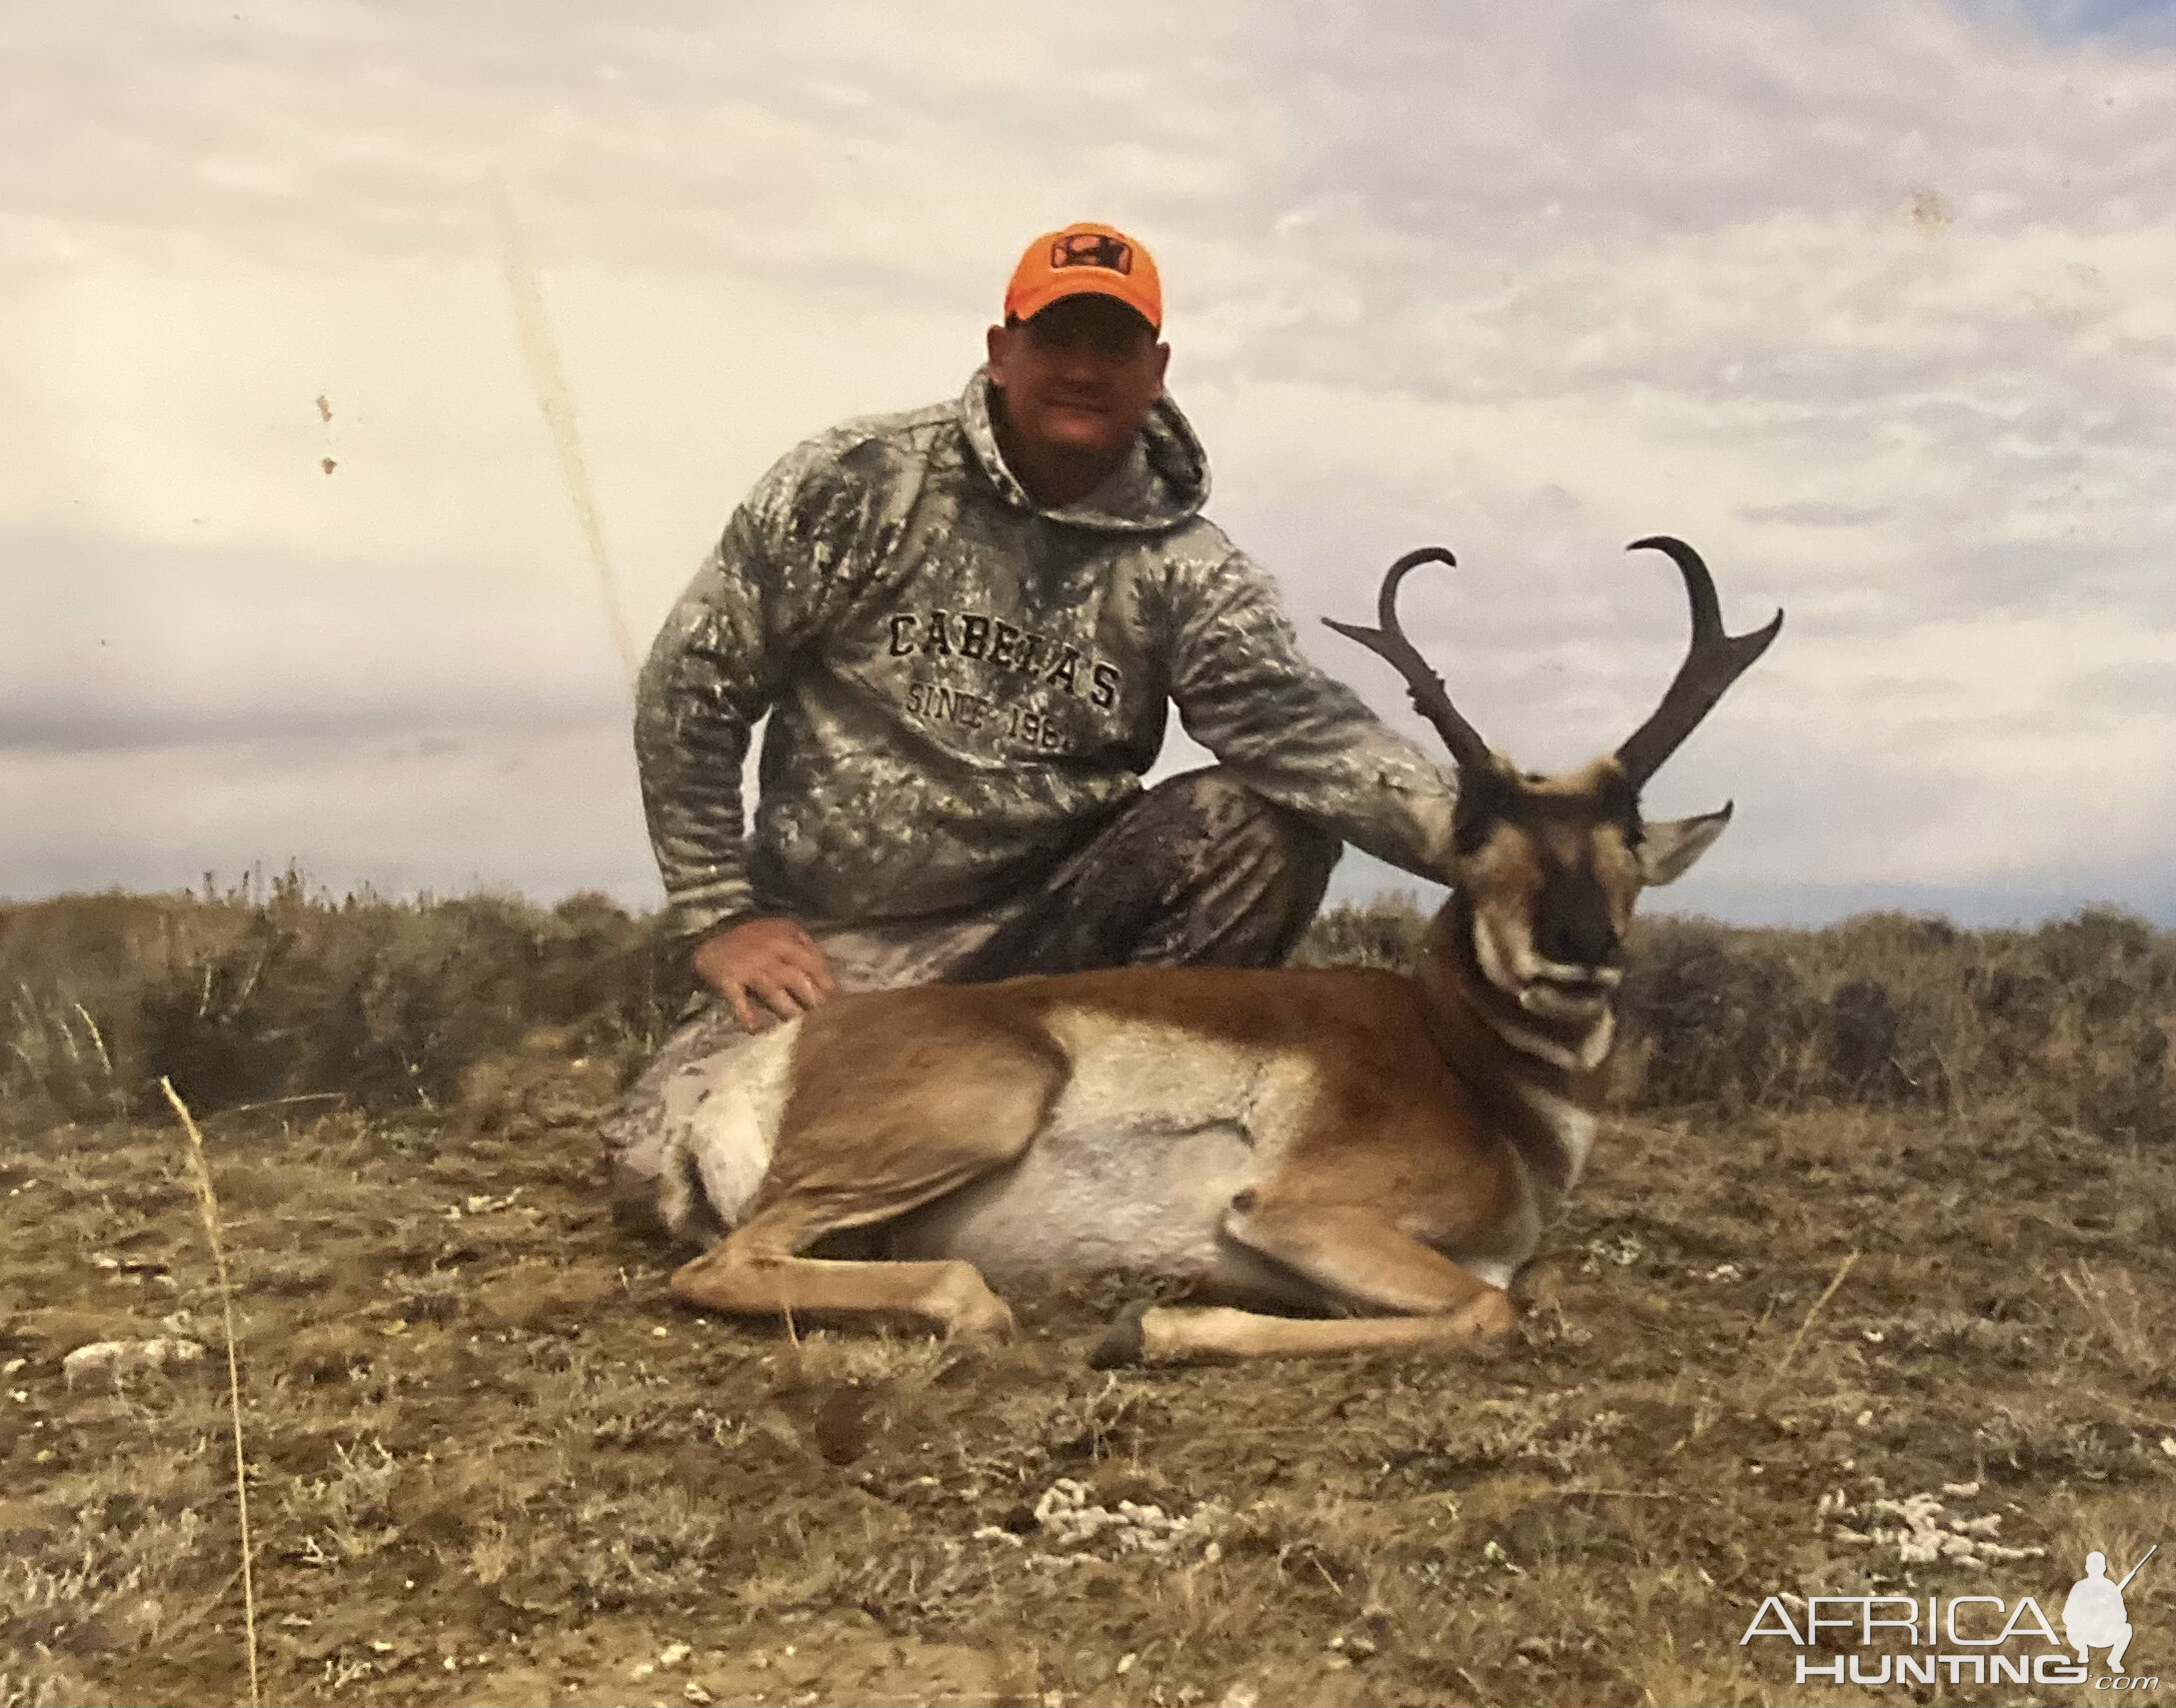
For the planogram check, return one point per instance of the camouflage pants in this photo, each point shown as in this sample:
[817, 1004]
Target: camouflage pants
[1200, 872]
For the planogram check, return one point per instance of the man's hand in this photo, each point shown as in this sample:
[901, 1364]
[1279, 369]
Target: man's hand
[772, 958]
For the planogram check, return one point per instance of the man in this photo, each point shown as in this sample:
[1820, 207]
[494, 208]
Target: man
[966, 625]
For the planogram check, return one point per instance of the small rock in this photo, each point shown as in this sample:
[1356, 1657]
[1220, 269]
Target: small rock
[117, 1358]
[674, 1654]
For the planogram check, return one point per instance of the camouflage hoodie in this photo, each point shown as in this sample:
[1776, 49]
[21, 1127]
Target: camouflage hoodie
[964, 686]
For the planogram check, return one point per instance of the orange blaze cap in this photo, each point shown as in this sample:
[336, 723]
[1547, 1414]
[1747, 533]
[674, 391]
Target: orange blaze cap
[1080, 260]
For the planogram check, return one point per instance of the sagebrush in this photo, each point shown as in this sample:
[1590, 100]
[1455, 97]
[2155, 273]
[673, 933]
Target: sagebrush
[278, 990]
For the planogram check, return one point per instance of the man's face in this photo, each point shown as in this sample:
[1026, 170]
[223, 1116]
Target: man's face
[1079, 378]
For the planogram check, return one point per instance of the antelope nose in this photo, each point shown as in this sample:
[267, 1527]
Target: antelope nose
[1580, 940]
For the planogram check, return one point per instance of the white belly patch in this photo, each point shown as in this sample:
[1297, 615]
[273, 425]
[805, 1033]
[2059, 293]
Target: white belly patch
[1155, 1130]
[1093, 1200]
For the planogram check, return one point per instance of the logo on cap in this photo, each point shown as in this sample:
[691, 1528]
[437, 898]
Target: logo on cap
[1091, 249]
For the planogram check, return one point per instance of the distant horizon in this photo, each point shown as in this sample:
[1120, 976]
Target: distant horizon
[1359, 881]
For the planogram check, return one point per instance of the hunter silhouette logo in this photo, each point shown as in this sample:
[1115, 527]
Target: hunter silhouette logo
[2093, 1617]
[1905, 1640]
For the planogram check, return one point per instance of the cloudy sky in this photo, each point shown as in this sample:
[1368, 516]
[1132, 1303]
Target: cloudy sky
[1874, 303]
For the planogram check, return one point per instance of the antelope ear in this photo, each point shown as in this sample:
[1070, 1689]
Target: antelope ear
[1670, 845]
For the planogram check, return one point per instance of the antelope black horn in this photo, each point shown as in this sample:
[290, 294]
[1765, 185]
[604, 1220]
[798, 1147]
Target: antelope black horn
[1430, 698]
[1712, 662]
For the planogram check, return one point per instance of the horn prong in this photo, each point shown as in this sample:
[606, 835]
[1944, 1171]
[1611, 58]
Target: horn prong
[1388, 640]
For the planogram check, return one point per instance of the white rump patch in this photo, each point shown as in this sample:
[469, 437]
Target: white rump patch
[735, 1123]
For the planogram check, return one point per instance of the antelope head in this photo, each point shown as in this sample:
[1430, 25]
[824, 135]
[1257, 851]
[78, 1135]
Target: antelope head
[1546, 870]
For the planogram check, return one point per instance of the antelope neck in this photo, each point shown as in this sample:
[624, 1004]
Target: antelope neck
[1536, 1079]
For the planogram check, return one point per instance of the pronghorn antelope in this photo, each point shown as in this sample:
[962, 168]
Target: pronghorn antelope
[1319, 1159]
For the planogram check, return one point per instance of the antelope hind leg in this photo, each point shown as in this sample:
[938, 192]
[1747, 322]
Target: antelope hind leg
[753, 1278]
[836, 1168]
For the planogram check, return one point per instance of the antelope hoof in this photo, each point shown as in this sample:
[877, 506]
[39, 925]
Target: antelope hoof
[1539, 1286]
[1122, 1345]
[983, 1324]
[1488, 1319]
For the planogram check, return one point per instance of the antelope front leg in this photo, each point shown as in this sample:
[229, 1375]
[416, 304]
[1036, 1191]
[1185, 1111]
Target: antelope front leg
[1194, 1334]
[1403, 1293]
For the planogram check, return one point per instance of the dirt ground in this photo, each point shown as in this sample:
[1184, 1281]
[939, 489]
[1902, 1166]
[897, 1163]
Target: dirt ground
[490, 1462]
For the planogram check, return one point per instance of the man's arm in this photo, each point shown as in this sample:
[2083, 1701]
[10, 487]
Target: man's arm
[713, 670]
[1293, 734]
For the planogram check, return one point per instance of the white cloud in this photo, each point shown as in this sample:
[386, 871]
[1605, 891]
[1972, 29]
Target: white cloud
[1872, 302]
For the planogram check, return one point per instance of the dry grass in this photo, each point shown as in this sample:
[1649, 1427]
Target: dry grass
[488, 1459]
[2073, 1016]
[277, 996]
[268, 994]
[207, 1198]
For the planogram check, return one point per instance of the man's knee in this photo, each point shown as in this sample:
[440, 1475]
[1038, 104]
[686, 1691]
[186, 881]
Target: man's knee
[1234, 820]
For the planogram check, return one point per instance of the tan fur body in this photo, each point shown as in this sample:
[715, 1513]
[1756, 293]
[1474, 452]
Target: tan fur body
[1166, 1094]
